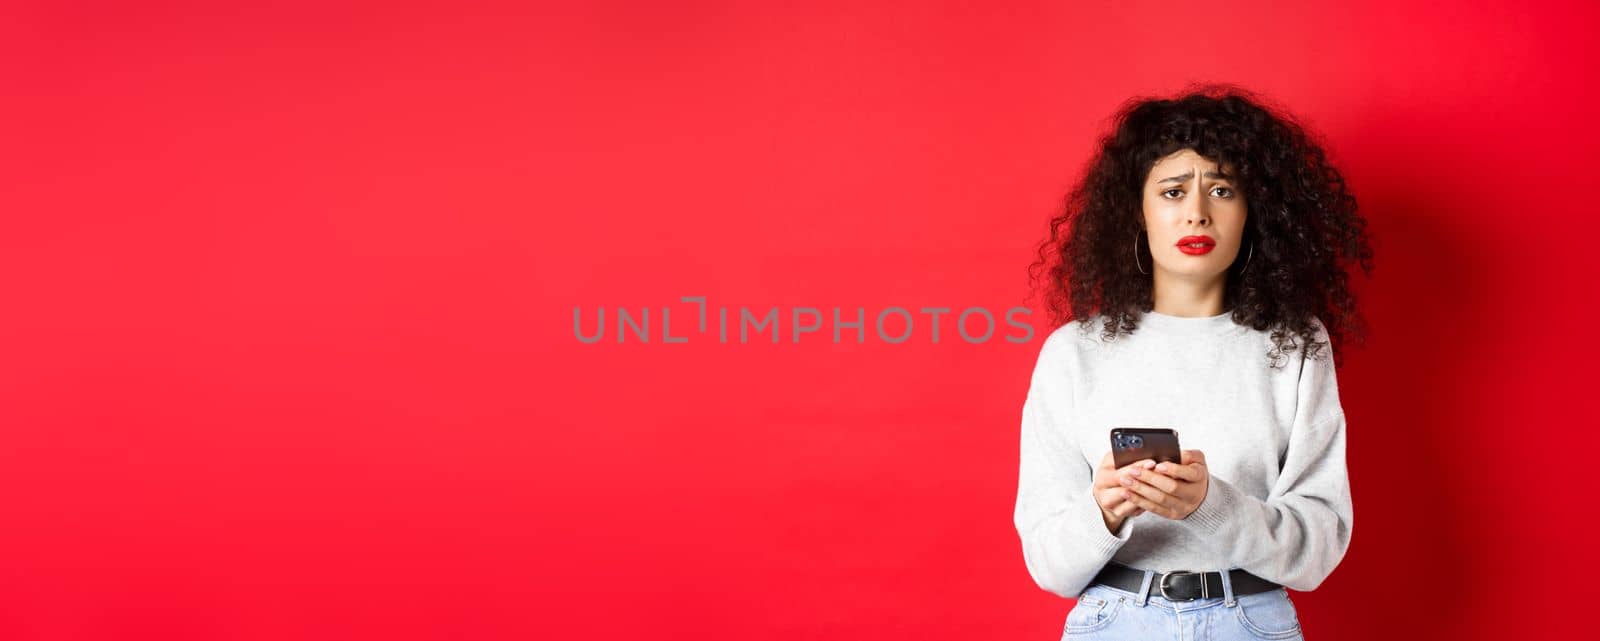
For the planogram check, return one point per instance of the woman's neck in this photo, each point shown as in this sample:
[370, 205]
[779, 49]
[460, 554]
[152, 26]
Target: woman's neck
[1176, 297]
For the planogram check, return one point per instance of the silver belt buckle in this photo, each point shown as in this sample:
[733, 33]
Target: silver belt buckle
[1204, 589]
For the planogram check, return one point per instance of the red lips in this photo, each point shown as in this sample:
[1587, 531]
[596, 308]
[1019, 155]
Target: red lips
[1196, 245]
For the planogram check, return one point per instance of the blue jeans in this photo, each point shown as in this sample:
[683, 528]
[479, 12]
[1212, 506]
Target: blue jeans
[1105, 612]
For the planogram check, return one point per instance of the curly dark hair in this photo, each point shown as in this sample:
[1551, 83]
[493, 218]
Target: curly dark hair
[1302, 222]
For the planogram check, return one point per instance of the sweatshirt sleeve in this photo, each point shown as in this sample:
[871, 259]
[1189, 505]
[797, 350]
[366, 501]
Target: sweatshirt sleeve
[1065, 542]
[1300, 532]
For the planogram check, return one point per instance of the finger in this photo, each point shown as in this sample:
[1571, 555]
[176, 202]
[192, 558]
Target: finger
[1112, 501]
[1109, 462]
[1108, 499]
[1160, 481]
[1193, 456]
[1149, 492]
[1141, 464]
[1151, 506]
[1125, 509]
[1183, 472]
[1105, 478]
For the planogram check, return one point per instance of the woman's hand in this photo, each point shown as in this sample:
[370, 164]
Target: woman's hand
[1171, 491]
[1114, 506]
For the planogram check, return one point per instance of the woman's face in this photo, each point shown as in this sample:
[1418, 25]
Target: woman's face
[1189, 199]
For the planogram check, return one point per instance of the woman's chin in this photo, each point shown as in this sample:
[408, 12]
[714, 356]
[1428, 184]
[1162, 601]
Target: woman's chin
[1201, 273]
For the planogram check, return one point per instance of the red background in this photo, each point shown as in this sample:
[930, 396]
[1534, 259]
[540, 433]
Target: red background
[288, 344]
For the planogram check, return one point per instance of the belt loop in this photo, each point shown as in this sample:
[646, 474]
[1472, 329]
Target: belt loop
[1144, 590]
[1227, 588]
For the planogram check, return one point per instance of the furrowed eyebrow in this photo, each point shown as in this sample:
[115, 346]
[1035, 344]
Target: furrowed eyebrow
[1184, 177]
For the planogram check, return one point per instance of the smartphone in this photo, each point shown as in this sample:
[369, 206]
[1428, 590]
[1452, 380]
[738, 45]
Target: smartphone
[1133, 444]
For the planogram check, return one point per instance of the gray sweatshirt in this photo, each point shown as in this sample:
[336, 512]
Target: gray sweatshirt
[1278, 504]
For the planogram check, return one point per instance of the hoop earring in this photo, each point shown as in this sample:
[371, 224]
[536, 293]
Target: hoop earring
[1247, 258]
[1136, 253]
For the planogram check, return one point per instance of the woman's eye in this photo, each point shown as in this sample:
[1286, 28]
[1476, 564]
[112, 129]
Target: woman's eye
[1225, 192]
[1168, 192]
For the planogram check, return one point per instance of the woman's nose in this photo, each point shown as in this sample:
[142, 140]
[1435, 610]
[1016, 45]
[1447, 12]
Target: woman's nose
[1197, 210]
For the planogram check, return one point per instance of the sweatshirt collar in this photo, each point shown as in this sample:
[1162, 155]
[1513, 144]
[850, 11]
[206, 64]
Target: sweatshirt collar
[1188, 324]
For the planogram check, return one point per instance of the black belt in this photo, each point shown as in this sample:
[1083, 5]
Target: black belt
[1182, 586]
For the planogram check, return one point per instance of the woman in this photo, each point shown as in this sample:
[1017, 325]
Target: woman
[1208, 243]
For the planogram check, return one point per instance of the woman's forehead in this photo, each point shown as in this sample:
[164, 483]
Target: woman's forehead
[1187, 160]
